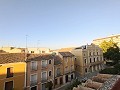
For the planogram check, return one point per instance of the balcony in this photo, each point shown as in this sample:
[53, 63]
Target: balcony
[33, 83]
[66, 72]
[9, 75]
[58, 74]
[97, 62]
[44, 80]
[33, 68]
[44, 66]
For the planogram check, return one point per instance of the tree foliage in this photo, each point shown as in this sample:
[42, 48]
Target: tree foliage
[110, 51]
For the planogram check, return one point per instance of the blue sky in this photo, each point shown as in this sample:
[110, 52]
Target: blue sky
[57, 23]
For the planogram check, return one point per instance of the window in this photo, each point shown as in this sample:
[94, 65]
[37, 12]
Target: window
[55, 81]
[61, 80]
[75, 59]
[97, 59]
[34, 88]
[33, 79]
[90, 54]
[44, 63]
[90, 60]
[71, 76]
[34, 65]
[86, 70]
[43, 51]
[66, 69]
[9, 85]
[94, 59]
[58, 71]
[49, 61]
[44, 75]
[10, 72]
[50, 73]
[85, 61]
[32, 51]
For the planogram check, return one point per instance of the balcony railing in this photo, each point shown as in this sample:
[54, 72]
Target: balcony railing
[9, 75]
[33, 68]
[58, 74]
[44, 80]
[44, 66]
[33, 83]
[97, 62]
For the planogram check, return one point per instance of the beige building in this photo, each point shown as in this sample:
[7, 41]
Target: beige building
[39, 50]
[12, 49]
[89, 58]
[28, 50]
[68, 66]
[115, 38]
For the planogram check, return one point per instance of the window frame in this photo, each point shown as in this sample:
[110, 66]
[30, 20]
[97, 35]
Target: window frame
[9, 76]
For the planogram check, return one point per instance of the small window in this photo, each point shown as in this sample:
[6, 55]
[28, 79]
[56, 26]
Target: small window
[34, 65]
[90, 60]
[10, 72]
[86, 70]
[94, 59]
[71, 76]
[49, 61]
[32, 51]
[75, 59]
[85, 61]
[50, 73]
[43, 51]
[55, 81]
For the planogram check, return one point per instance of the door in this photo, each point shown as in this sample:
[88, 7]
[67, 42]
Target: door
[9, 85]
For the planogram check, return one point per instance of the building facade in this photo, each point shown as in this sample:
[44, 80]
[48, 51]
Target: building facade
[115, 38]
[68, 66]
[12, 72]
[40, 72]
[89, 58]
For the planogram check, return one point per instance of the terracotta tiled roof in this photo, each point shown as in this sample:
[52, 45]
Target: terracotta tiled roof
[57, 60]
[92, 84]
[66, 54]
[11, 58]
[20, 57]
[2, 51]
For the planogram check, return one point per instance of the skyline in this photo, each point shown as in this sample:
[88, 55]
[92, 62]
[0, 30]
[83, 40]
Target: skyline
[57, 23]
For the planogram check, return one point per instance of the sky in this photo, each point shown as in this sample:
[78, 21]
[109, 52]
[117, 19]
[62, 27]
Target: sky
[57, 23]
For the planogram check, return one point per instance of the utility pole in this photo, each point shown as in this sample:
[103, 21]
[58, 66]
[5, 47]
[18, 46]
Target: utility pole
[26, 63]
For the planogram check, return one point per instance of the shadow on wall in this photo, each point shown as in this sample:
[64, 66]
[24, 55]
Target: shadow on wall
[13, 81]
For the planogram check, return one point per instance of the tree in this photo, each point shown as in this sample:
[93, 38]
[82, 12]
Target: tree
[49, 85]
[110, 51]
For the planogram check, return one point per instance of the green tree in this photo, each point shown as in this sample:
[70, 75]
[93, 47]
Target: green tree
[49, 85]
[110, 51]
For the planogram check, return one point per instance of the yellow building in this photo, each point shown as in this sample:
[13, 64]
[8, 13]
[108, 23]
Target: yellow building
[89, 58]
[12, 71]
[115, 38]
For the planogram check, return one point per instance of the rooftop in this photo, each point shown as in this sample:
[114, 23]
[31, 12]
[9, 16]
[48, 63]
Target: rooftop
[66, 54]
[20, 57]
